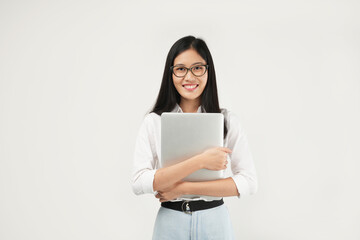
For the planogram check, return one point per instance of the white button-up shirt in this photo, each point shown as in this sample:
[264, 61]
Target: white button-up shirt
[148, 149]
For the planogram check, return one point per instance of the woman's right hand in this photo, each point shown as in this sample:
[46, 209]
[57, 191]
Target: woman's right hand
[215, 158]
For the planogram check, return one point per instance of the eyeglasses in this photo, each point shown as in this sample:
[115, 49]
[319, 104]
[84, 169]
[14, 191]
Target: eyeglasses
[197, 70]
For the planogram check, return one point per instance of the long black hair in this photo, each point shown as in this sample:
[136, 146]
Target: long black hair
[168, 95]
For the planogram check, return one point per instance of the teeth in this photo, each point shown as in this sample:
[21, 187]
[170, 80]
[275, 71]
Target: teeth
[190, 86]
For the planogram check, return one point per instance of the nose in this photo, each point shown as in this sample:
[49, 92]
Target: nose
[189, 76]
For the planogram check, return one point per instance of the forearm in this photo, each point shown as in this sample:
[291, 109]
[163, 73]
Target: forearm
[217, 188]
[166, 177]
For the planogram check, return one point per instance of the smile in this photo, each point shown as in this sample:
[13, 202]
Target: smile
[190, 87]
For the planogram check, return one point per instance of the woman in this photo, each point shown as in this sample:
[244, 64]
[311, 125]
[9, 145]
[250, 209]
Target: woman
[189, 85]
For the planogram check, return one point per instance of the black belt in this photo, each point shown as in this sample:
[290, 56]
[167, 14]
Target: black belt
[192, 206]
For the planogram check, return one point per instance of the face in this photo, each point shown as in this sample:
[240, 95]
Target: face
[184, 85]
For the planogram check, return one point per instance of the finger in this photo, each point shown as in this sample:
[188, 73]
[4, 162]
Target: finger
[225, 149]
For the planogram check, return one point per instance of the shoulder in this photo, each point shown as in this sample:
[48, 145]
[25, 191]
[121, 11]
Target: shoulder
[150, 119]
[231, 118]
[228, 114]
[152, 116]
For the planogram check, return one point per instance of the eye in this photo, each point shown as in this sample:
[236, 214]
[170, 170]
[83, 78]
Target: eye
[198, 67]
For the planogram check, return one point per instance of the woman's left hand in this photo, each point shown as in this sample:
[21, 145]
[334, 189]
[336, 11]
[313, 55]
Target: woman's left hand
[170, 193]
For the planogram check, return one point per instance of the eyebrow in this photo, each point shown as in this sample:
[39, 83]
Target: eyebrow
[180, 64]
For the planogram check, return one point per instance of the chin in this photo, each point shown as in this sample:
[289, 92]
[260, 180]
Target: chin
[192, 97]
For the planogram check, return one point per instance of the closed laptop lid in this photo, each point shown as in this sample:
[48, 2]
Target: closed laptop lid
[184, 135]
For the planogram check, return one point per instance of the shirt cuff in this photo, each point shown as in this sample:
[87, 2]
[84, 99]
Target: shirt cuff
[241, 184]
[147, 181]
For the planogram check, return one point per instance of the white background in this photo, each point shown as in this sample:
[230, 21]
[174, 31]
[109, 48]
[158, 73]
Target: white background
[77, 78]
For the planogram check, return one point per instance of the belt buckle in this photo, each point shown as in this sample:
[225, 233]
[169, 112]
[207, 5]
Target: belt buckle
[187, 207]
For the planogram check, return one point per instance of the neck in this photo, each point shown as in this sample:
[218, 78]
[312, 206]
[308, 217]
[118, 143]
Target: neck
[189, 106]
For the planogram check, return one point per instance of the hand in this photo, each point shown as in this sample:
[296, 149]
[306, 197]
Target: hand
[215, 158]
[170, 193]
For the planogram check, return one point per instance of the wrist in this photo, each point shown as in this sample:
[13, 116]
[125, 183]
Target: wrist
[184, 188]
[199, 161]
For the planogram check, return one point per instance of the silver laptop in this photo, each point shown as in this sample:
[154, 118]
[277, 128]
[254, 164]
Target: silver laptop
[184, 135]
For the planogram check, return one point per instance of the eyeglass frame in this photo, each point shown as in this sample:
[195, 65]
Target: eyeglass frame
[187, 69]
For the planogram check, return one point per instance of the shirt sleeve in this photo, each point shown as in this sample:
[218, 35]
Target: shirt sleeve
[242, 165]
[143, 159]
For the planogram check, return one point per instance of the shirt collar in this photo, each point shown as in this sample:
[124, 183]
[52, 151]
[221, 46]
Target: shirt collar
[177, 109]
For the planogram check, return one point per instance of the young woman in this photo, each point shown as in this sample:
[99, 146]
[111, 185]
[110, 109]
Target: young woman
[189, 85]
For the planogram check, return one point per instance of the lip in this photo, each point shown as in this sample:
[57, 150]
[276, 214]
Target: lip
[190, 90]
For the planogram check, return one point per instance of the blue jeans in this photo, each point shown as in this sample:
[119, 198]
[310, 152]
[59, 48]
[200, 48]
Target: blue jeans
[213, 223]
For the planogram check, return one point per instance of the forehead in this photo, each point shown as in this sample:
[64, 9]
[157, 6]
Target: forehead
[188, 57]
